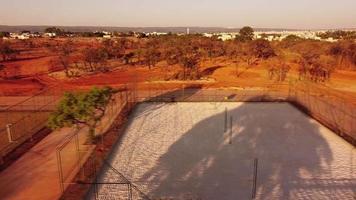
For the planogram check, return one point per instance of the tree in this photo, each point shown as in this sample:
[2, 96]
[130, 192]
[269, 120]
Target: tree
[246, 34]
[7, 52]
[278, 69]
[65, 51]
[96, 58]
[2, 71]
[315, 67]
[173, 55]
[128, 58]
[114, 48]
[190, 66]
[190, 59]
[292, 38]
[82, 109]
[151, 56]
[55, 30]
[345, 53]
[139, 54]
[262, 49]
[339, 34]
[4, 34]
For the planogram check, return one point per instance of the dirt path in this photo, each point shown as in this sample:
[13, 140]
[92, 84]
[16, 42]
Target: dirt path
[35, 175]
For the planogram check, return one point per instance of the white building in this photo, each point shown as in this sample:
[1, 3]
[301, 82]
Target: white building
[209, 35]
[24, 37]
[51, 35]
[155, 33]
[226, 36]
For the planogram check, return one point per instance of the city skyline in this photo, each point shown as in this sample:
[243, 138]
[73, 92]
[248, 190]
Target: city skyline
[302, 14]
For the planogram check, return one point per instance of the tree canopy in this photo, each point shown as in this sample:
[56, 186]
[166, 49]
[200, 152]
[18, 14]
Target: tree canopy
[246, 34]
[262, 49]
[82, 108]
[7, 51]
[55, 30]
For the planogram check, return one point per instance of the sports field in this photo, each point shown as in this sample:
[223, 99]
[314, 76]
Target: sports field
[229, 151]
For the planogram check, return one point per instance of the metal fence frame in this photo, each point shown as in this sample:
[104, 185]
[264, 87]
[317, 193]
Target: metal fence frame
[320, 102]
[131, 188]
[87, 166]
[25, 118]
[333, 111]
[295, 94]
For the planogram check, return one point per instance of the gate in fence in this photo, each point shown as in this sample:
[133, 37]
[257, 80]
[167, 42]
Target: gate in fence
[115, 187]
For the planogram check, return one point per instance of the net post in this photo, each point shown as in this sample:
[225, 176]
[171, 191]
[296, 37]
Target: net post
[254, 184]
[130, 191]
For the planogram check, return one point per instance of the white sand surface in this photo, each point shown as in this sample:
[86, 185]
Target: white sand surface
[182, 151]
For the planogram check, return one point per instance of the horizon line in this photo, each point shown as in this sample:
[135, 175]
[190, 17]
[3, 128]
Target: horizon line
[221, 27]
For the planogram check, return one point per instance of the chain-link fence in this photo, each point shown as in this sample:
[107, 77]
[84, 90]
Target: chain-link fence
[336, 112]
[332, 109]
[272, 93]
[78, 160]
[82, 172]
[117, 187]
[21, 121]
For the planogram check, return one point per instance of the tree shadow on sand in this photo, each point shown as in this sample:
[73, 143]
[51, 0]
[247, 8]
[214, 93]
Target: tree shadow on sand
[202, 164]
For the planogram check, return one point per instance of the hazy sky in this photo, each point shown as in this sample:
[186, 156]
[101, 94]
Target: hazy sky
[222, 13]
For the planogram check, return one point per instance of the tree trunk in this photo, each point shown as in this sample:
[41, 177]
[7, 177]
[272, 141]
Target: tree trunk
[91, 135]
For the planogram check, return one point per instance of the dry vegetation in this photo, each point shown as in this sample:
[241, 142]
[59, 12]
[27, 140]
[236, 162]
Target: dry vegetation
[32, 64]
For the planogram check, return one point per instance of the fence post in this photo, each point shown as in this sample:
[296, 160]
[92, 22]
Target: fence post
[353, 125]
[60, 173]
[1, 158]
[183, 90]
[225, 122]
[254, 184]
[290, 90]
[230, 138]
[130, 191]
[9, 135]
[77, 146]
[127, 98]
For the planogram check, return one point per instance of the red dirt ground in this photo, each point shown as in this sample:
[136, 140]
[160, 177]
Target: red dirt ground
[32, 70]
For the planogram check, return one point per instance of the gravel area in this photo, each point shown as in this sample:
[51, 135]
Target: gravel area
[230, 151]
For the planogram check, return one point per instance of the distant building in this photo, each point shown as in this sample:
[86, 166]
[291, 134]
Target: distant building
[156, 33]
[280, 35]
[14, 35]
[209, 35]
[225, 37]
[36, 35]
[18, 36]
[24, 37]
[50, 35]
[330, 39]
